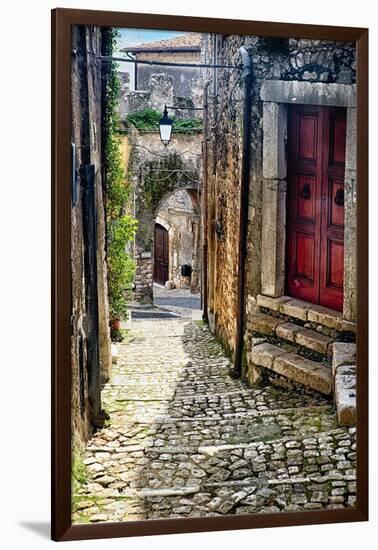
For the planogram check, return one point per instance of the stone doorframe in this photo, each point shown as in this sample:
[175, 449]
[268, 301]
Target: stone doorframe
[276, 96]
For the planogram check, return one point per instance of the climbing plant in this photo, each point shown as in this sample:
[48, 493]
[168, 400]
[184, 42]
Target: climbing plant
[120, 226]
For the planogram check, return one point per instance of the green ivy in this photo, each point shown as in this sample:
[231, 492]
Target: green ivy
[120, 226]
[148, 119]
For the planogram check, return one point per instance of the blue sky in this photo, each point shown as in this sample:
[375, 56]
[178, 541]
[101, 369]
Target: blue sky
[133, 37]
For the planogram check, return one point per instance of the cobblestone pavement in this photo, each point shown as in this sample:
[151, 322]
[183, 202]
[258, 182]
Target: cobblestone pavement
[187, 440]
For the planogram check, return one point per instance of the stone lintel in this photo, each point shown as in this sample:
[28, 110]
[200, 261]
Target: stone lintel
[310, 93]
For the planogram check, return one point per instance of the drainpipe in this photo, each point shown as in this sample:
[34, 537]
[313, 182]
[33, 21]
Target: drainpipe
[205, 203]
[243, 212]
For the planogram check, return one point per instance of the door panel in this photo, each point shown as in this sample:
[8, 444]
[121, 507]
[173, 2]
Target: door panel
[315, 204]
[332, 224]
[161, 255]
[304, 209]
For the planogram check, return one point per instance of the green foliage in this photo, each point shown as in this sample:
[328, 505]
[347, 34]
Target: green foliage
[145, 119]
[120, 226]
[148, 119]
[121, 267]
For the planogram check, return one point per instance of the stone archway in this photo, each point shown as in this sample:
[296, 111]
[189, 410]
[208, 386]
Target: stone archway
[179, 215]
[156, 177]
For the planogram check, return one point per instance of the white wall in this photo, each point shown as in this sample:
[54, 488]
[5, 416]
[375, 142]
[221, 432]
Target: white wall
[25, 314]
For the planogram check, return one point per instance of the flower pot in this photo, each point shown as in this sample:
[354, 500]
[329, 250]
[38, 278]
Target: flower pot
[115, 324]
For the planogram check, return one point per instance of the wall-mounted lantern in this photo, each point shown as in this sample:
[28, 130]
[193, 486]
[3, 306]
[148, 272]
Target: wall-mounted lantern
[165, 127]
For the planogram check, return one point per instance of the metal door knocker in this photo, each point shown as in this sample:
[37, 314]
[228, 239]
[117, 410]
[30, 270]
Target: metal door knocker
[305, 192]
[339, 197]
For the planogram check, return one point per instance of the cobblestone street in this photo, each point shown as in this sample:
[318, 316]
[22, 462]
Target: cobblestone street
[185, 439]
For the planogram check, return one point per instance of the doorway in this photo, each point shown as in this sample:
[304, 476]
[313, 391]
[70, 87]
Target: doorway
[161, 255]
[315, 204]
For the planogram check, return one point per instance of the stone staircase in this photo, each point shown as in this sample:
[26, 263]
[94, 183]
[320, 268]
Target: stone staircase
[293, 343]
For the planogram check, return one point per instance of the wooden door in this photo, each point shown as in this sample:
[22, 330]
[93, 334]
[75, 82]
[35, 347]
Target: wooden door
[161, 255]
[315, 201]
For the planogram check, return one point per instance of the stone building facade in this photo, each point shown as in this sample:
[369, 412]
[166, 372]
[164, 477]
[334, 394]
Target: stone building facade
[179, 84]
[91, 349]
[301, 88]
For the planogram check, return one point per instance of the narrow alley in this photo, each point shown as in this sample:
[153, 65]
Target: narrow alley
[185, 439]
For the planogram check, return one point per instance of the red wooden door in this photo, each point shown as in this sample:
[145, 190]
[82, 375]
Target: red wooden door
[161, 253]
[315, 220]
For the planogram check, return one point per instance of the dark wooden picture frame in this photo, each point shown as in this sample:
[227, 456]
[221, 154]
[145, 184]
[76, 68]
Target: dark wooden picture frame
[62, 20]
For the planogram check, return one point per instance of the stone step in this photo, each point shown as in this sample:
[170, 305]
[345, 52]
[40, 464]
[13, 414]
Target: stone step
[297, 334]
[305, 311]
[308, 338]
[312, 374]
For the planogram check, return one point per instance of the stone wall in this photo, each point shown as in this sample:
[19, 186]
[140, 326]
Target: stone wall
[91, 355]
[186, 81]
[304, 65]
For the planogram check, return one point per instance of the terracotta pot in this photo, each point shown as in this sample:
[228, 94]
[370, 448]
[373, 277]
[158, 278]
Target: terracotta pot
[115, 324]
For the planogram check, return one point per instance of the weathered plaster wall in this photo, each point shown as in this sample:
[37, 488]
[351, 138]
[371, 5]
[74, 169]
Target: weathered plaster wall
[299, 62]
[179, 217]
[86, 94]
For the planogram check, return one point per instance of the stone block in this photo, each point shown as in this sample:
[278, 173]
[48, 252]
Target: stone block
[254, 373]
[313, 340]
[324, 316]
[343, 354]
[314, 375]
[271, 303]
[295, 308]
[263, 324]
[288, 331]
[265, 354]
[347, 326]
[345, 395]
[273, 237]
[274, 137]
